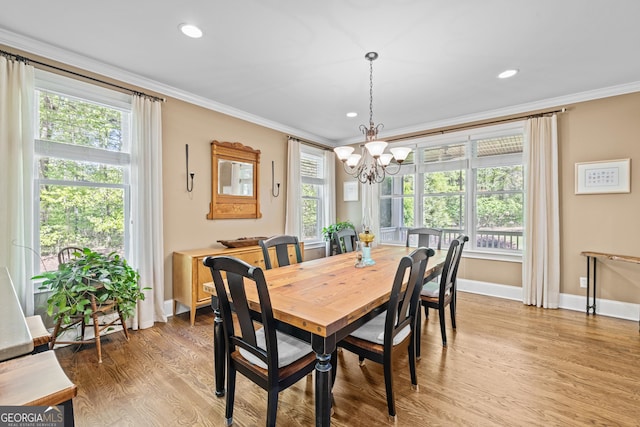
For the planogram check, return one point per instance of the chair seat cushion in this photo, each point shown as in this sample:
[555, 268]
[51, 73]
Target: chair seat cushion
[431, 289]
[290, 349]
[373, 331]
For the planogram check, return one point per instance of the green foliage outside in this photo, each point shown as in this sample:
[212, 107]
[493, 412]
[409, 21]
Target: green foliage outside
[79, 213]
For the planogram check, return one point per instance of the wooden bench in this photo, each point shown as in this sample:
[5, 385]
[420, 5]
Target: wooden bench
[37, 380]
[41, 336]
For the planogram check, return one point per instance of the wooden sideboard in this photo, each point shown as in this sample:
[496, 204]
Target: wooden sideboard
[190, 274]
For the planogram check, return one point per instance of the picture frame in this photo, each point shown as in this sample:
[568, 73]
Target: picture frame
[603, 177]
[350, 193]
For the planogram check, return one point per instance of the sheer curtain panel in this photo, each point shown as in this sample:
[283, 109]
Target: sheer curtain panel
[146, 209]
[16, 168]
[541, 257]
[293, 217]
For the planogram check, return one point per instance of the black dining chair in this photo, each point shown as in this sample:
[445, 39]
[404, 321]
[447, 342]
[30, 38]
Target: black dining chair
[271, 359]
[344, 240]
[385, 336]
[440, 294]
[427, 237]
[281, 244]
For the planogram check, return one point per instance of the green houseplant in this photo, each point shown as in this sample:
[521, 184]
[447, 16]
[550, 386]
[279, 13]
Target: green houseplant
[108, 277]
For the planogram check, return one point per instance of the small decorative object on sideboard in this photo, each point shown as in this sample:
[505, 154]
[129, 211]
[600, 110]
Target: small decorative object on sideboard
[241, 242]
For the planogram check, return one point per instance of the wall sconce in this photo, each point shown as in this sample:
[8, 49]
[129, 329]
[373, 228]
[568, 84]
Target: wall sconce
[189, 188]
[273, 192]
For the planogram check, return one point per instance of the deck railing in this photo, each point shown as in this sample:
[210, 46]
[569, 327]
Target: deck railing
[510, 240]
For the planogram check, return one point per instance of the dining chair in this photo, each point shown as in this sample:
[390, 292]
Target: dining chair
[427, 237]
[281, 244]
[344, 240]
[440, 294]
[66, 254]
[390, 333]
[271, 359]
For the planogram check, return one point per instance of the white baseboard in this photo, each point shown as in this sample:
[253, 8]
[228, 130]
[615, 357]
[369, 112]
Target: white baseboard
[617, 309]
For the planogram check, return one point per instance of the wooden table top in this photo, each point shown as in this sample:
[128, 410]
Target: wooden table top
[15, 339]
[324, 295]
[613, 257]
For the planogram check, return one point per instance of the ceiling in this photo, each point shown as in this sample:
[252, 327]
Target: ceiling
[298, 65]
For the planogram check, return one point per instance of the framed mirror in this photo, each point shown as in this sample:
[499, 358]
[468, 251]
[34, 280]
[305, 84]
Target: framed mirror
[235, 171]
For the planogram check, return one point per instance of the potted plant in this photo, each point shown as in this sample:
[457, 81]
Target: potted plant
[328, 231]
[110, 279]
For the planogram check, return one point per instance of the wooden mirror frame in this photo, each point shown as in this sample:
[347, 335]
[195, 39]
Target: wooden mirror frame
[227, 206]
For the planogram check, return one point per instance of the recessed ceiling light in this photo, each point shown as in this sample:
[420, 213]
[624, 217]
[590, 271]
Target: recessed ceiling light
[190, 30]
[352, 114]
[507, 73]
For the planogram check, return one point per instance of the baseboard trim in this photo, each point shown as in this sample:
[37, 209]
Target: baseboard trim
[617, 309]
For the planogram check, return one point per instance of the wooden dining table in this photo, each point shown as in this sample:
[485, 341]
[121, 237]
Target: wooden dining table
[326, 298]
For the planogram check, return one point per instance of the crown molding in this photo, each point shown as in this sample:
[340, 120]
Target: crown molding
[69, 58]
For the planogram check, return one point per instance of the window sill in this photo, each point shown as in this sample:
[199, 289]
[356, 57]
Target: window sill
[492, 256]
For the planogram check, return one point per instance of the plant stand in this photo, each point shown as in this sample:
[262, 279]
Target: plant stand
[106, 308]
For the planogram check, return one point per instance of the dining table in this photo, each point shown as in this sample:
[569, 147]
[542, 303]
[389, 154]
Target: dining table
[15, 338]
[326, 299]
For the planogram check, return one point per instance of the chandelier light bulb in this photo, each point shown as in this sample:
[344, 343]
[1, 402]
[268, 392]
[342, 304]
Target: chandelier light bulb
[343, 152]
[376, 148]
[400, 153]
[352, 160]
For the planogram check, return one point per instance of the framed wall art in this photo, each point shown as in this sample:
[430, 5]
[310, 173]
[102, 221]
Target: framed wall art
[350, 191]
[608, 176]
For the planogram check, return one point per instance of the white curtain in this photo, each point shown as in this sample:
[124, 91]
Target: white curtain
[16, 169]
[146, 209]
[292, 224]
[541, 259]
[330, 180]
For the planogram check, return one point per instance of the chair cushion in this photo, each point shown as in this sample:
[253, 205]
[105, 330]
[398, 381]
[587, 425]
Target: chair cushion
[431, 289]
[290, 349]
[373, 331]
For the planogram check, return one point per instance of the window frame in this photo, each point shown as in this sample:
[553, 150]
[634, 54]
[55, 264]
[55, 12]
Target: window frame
[309, 151]
[85, 92]
[470, 164]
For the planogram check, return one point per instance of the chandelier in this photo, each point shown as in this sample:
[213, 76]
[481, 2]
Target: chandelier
[373, 164]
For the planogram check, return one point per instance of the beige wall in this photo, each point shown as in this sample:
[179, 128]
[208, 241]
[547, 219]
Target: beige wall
[185, 222]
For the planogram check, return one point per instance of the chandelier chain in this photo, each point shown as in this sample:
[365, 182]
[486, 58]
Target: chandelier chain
[371, 92]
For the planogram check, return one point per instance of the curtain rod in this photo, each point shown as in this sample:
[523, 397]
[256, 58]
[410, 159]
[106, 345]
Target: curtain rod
[313, 144]
[463, 127]
[27, 60]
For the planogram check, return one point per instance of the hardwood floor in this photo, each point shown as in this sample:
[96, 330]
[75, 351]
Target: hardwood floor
[506, 365]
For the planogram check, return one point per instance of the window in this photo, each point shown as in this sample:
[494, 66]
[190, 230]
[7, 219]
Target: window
[82, 168]
[469, 182]
[314, 192]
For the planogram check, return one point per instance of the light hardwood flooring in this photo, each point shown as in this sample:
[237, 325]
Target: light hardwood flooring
[506, 365]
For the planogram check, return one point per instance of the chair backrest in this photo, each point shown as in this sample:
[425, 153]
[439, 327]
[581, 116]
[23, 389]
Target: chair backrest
[242, 278]
[281, 244]
[403, 303]
[66, 254]
[427, 237]
[344, 240]
[450, 268]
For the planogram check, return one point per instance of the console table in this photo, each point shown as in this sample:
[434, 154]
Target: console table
[591, 258]
[190, 274]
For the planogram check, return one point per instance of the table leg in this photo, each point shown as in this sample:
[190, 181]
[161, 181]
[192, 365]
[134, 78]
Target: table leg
[219, 357]
[591, 297]
[323, 348]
